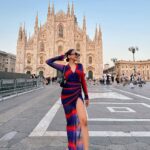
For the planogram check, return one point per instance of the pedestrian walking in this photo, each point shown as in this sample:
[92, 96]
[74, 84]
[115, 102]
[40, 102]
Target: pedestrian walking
[132, 80]
[72, 100]
[108, 79]
[139, 80]
[117, 79]
[112, 78]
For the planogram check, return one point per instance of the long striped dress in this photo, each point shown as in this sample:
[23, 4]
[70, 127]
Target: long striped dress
[69, 95]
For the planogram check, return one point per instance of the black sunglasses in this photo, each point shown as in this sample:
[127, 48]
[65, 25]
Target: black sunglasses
[77, 54]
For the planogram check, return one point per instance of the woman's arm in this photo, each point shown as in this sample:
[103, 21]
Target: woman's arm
[84, 85]
[51, 63]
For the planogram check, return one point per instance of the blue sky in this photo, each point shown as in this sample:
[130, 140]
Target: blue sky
[124, 23]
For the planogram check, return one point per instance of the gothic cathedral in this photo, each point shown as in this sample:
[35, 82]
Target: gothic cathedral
[60, 33]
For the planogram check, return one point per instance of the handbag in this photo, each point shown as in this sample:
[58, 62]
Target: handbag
[62, 80]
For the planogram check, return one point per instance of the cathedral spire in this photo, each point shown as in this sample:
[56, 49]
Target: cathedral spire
[36, 24]
[29, 36]
[20, 33]
[99, 29]
[49, 11]
[26, 37]
[53, 10]
[68, 12]
[84, 23]
[72, 9]
[24, 28]
[99, 33]
[36, 21]
[96, 33]
[24, 33]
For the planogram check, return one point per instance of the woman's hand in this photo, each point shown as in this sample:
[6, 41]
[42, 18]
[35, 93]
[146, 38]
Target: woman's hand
[87, 102]
[63, 56]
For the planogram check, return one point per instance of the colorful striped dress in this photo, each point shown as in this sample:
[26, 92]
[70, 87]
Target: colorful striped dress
[69, 95]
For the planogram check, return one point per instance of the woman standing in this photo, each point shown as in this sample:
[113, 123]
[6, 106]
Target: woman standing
[72, 100]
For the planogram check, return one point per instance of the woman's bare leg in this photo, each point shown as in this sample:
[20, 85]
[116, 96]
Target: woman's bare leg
[83, 123]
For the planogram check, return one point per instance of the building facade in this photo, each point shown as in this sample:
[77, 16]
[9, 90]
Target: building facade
[59, 33]
[7, 62]
[110, 70]
[129, 67]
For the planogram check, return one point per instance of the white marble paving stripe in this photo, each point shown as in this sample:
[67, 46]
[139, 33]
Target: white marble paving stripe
[41, 128]
[146, 105]
[103, 134]
[93, 103]
[111, 103]
[111, 95]
[118, 120]
[137, 95]
[8, 136]
[120, 109]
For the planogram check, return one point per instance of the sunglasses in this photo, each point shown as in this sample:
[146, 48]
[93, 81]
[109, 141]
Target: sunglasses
[77, 54]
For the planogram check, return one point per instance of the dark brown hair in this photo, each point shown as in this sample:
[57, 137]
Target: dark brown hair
[68, 53]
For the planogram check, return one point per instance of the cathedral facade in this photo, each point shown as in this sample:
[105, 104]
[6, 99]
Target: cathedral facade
[59, 33]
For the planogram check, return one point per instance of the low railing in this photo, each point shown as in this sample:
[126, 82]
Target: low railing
[10, 87]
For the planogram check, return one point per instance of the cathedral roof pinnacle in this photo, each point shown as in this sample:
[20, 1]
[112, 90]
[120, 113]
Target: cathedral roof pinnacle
[99, 29]
[36, 24]
[99, 33]
[20, 32]
[84, 23]
[53, 9]
[24, 27]
[68, 12]
[36, 20]
[96, 33]
[20, 28]
[49, 10]
[72, 9]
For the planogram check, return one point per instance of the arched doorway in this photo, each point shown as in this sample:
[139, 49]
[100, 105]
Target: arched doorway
[41, 74]
[90, 74]
[28, 72]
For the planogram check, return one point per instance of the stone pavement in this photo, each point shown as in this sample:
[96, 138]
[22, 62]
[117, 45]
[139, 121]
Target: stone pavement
[118, 118]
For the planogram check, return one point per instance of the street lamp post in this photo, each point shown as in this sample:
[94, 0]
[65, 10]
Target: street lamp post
[133, 50]
[114, 60]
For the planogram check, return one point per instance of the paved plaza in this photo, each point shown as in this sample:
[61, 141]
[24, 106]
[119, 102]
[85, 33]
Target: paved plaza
[118, 118]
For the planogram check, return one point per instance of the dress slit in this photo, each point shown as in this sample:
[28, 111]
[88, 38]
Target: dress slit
[73, 127]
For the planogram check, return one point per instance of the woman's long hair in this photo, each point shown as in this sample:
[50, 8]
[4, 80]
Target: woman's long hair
[68, 53]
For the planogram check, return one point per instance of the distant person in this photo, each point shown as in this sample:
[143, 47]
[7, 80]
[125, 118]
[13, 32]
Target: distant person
[117, 79]
[132, 80]
[108, 79]
[112, 78]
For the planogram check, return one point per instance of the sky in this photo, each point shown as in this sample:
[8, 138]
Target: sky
[124, 23]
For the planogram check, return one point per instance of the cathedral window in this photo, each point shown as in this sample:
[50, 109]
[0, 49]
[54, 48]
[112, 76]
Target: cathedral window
[60, 50]
[29, 60]
[41, 60]
[90, 60]
[60, 31]
[42, 46]
[28, 72]
[78, 47]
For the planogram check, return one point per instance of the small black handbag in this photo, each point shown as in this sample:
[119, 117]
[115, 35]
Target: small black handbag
[62, 80]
